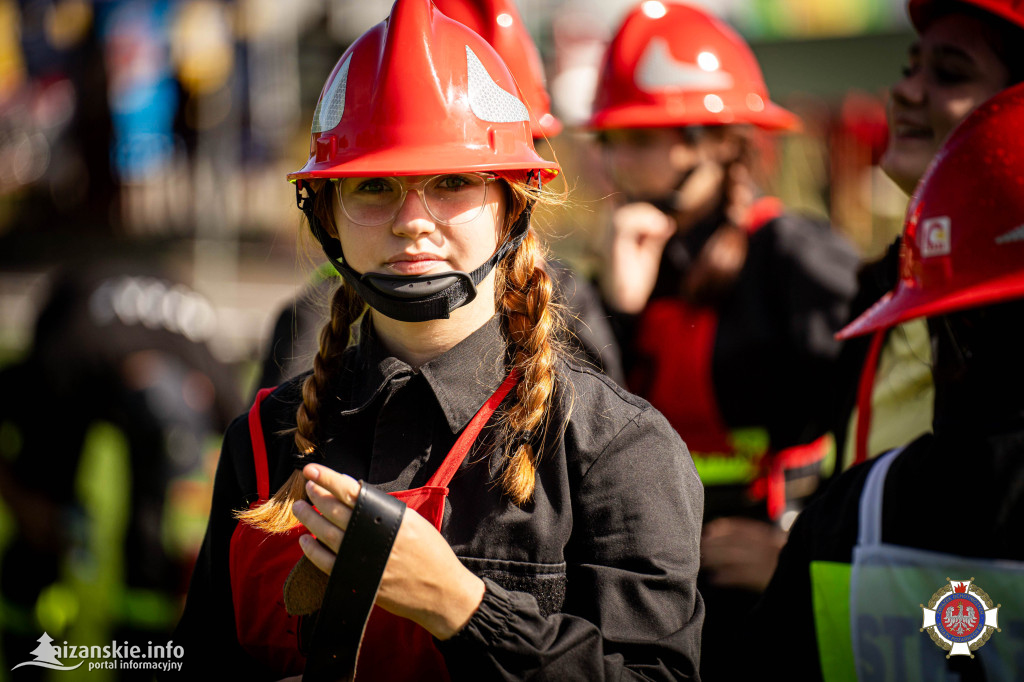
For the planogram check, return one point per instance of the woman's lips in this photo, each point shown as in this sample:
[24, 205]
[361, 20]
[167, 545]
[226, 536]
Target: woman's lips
[418, 264]
[909, 130]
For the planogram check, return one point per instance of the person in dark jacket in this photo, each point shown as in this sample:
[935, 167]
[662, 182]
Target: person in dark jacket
[559, 516]
[726, 303]
[942, 515]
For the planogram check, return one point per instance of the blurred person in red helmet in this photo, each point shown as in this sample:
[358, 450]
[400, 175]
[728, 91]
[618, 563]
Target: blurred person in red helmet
[538, 547]
[966, 51]
[942, 515]
[727, 304]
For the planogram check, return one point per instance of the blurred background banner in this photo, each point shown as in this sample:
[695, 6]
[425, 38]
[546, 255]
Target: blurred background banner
[143, 152]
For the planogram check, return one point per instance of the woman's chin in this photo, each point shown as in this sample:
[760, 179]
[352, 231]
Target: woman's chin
[905, 168]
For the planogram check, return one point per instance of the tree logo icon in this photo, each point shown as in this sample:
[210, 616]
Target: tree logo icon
[46, 656]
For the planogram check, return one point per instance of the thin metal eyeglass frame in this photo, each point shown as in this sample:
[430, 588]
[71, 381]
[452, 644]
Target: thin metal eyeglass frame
[488, 178]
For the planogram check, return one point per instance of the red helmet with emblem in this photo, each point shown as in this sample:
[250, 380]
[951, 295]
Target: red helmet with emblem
[963, 241]
[676, 65]
[420, 93]
[923, 11]
[499, 23]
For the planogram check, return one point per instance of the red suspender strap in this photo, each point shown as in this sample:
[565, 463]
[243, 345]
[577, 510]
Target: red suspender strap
[259, 446]
[443, 476]
[864, 391]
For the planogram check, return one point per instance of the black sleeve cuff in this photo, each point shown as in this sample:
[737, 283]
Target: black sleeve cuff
[490, 623]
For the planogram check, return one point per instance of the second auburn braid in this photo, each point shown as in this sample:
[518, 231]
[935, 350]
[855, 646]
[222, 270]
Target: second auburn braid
[275, 515]
[531, 320]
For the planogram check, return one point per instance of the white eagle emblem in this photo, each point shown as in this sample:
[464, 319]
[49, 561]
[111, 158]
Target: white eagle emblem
[960, 622]
[960, 617]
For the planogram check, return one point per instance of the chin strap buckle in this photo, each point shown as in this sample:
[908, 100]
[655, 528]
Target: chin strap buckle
[304, 201]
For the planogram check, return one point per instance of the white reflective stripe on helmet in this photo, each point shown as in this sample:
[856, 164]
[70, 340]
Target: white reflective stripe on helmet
[1014, 235]
[488, 100]
[331, 106]
[659, 70]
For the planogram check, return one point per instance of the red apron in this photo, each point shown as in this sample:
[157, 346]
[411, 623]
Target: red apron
[393, 648]
[677, 381]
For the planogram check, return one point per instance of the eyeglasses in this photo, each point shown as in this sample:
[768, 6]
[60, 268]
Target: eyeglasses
[450, 198]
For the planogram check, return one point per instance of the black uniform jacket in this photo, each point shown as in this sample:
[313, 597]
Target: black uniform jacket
[921, 481]
[774, 352]
[594, 578]
[774, 348]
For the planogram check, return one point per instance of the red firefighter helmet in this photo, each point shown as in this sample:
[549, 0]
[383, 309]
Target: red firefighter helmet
[963, 241]
[923, 11]
[417, 94]
[499, 23]
[676, 65]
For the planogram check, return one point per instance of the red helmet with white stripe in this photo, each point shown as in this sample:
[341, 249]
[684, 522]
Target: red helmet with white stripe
[963, 241]
[499, 23]
[420, 93]
[675, 65]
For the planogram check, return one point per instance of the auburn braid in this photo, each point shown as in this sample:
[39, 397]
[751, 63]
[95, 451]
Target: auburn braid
[531, 321]
[346, 306]
[275, 515]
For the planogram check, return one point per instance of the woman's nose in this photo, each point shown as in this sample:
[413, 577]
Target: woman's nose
[413, 219]
[909, 90]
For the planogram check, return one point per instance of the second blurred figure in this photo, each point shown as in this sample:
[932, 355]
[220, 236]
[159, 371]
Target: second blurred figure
[726, 303]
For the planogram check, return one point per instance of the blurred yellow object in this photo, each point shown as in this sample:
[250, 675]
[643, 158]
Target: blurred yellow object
[57, 608]
[67, 23]
[12, 65]
[201, 47]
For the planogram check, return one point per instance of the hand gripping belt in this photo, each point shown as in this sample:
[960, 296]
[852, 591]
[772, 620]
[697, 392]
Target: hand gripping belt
[352, 587]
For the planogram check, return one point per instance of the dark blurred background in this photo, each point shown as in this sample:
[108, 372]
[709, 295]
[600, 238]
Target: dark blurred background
[148, 239]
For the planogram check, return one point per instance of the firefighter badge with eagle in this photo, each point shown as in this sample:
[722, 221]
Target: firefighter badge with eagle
[960, 617]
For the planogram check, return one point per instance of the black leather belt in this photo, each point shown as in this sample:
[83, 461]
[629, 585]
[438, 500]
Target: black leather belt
[352, 587]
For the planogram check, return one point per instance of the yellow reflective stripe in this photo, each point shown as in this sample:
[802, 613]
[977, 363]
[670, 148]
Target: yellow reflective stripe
[741, 466]
[720, 469]
[750, 442]
[830, 593]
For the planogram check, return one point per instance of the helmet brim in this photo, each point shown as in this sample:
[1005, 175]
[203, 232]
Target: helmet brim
[908, 303]
[772, 118]
[424, 160]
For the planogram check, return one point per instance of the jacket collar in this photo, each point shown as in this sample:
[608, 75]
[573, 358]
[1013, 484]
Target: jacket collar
[461, 379]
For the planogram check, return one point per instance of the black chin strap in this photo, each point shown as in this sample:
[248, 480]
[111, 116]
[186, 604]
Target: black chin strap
[413, 298]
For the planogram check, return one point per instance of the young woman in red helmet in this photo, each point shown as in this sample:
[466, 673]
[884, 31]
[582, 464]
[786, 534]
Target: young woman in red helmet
[557, 517]
[293, 342]
[941, 516]
[966, 51]
[727, 303]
